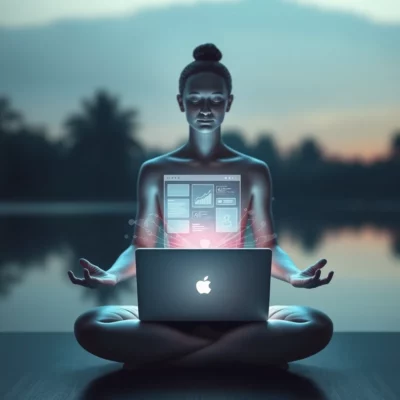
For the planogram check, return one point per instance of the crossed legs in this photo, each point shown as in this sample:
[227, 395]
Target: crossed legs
[290, 333]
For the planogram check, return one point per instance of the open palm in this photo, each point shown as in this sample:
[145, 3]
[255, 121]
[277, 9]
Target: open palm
[93, 276]
[311, 276]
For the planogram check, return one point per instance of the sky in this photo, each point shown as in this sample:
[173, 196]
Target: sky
[37, 12]
[322, 68]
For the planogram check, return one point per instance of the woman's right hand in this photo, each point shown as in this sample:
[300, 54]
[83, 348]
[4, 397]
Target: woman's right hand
[93, 276]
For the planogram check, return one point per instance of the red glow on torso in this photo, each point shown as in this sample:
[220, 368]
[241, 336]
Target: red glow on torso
[204, 240]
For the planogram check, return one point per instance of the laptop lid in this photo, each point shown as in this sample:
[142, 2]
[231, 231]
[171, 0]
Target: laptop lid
[203, 284]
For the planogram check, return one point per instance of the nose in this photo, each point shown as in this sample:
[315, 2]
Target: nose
[205, 109]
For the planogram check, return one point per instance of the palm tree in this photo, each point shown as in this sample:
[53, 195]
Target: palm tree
[102, 120]
[102, 149]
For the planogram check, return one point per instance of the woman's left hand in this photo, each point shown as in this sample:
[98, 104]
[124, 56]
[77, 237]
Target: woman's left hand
[310, 277]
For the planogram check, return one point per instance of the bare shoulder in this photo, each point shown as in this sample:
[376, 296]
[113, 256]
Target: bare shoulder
[244, 159]
[149, 174]
[256, 168]
[154, 166]
[260, 175]
[257, 171]
[259, 167]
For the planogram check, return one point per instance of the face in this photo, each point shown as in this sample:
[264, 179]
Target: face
[205, 100]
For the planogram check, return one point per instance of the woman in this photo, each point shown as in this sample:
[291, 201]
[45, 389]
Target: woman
[292, 332]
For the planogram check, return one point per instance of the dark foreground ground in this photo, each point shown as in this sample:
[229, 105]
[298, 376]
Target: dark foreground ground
[356, 366]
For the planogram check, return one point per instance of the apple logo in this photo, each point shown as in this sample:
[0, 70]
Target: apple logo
[203, 286]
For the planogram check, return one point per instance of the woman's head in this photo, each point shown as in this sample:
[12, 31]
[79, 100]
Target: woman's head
[205, 87]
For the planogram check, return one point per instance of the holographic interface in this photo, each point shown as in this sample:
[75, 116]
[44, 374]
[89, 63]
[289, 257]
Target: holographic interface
[202, 204]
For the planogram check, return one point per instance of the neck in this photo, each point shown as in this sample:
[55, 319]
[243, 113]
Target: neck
[204, 145]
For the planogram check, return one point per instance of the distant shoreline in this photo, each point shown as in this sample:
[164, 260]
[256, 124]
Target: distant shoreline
[63, 208]
[75, 208]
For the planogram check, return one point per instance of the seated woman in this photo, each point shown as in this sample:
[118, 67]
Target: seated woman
[290, 333]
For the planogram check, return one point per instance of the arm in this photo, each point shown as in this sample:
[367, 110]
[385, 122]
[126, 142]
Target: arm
[145, 233]
[263, 226]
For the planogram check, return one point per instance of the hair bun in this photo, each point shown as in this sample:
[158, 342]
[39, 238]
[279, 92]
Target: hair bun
[207, 52]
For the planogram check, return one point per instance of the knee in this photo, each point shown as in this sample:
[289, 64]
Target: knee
[322, 327]
[84, 328]
[93, 328]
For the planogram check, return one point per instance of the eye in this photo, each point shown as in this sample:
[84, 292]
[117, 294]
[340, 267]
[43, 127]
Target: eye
[217, 100]
[194, 100]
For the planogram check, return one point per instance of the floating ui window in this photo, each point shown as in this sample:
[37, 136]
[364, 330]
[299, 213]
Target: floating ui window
[202, 204]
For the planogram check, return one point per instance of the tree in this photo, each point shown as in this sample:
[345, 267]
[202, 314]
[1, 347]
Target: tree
[103, 152]
[395, 145]
[308, 152]
[32, 165]
[10, 122]
[266, 150]
[10, 119]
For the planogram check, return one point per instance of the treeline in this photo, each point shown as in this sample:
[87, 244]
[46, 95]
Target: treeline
[99, 157]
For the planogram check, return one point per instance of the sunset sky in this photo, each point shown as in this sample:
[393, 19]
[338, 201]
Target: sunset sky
[322, 68]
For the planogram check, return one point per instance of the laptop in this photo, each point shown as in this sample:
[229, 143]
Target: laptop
[203, 284]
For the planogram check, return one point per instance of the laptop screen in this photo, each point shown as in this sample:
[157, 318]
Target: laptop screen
[201, 211]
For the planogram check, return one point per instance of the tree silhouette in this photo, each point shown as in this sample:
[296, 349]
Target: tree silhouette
[266, 150]
[103, 153]
[28, 161]
[395, 146]
[32, 165]
[308, 152]
[10, 119]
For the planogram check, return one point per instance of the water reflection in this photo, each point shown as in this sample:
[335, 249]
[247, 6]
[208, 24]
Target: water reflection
[27, 241]
[37, 251]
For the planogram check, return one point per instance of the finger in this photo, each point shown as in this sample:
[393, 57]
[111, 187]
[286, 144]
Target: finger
[86, 274]
[321, 263]
[91, 267]
[90, 280]
[84, 263]
[310, 271]
[317, 275]
[313, 281]
[74, 279]
[326, 280]
[315, 267]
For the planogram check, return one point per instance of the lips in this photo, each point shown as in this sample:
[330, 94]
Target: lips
[206, 120]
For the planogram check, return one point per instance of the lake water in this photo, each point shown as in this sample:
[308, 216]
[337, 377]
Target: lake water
[39, 246]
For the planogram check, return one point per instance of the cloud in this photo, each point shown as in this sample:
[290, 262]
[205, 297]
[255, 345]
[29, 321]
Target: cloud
[17, 13]
[382, 11]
